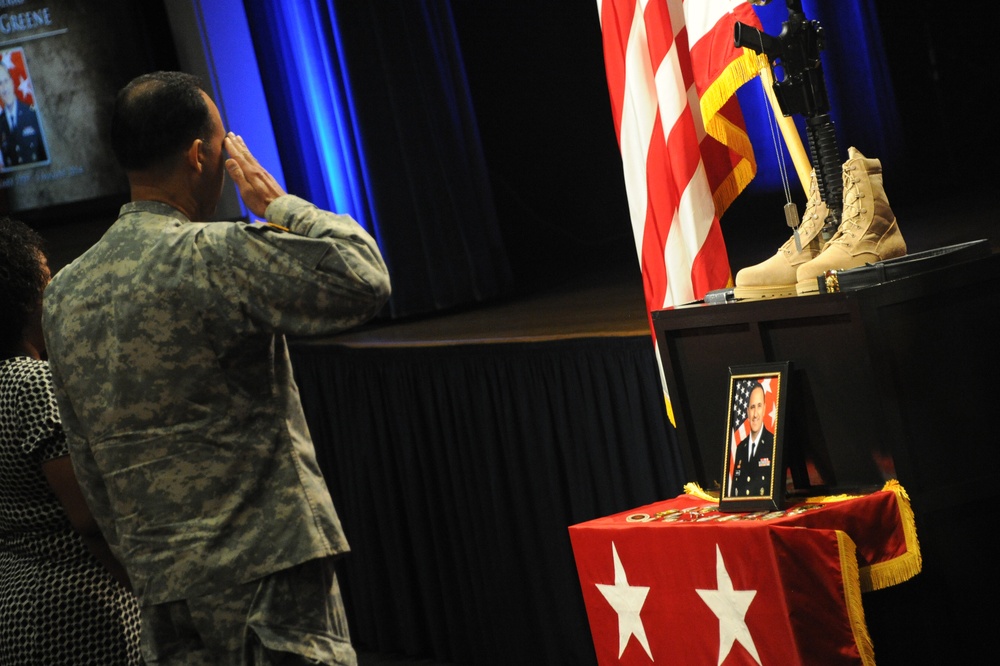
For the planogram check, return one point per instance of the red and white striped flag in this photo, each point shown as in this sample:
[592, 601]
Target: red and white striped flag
[673, 70]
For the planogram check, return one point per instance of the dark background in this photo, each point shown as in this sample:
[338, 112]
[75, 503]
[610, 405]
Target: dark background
[536, 72]
[536, 76]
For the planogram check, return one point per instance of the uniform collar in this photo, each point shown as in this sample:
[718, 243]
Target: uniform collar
[155, 207]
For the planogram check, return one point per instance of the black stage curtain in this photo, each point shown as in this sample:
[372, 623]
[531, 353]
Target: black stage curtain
[457, 472]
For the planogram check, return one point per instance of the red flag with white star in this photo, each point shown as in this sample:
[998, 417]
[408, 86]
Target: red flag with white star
[679, 582]
[13, 60]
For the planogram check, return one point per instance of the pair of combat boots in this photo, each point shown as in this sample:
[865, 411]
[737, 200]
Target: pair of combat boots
[867, 233]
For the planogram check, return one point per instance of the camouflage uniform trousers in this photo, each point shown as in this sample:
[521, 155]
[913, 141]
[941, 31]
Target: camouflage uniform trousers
[290, 618]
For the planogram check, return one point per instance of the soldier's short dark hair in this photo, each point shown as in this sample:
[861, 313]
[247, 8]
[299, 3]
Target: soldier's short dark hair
[22, 280]
[156, 116]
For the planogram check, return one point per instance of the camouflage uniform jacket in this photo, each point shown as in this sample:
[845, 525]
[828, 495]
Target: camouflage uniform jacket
[173, 379]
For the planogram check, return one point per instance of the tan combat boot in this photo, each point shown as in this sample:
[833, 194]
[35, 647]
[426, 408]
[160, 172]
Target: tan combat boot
[868, 231]
[775, 277]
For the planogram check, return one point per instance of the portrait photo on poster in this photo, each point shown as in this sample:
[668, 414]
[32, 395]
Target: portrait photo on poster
[22, 137]
[755, 426]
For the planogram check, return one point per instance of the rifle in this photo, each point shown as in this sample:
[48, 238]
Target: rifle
[802, 90]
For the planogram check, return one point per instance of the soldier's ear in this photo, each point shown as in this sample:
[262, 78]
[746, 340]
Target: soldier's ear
[193, 155]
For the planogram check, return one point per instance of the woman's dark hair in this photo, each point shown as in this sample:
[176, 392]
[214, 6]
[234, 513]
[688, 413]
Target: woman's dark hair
[156, 116]
[22, 280]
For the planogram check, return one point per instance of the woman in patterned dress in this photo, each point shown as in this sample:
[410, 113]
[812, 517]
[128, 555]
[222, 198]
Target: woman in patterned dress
[64, 599]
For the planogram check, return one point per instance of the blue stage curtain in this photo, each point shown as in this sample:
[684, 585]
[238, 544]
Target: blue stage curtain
[373, 118]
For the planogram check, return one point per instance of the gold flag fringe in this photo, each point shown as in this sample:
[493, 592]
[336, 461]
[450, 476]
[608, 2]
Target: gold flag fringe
[734, 184]
[852, 597]
[892, 572]
[740, 71]
[879, 575]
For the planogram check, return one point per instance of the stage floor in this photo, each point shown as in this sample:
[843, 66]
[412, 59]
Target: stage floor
[607, 299]
[605, 303]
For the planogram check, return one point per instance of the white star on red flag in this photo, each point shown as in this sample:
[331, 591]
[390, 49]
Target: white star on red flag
[730, 606]
[627, 600]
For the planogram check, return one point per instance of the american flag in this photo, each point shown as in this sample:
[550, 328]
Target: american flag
[673, 71]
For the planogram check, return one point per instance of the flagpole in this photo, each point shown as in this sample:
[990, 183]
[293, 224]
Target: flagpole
[800, 157]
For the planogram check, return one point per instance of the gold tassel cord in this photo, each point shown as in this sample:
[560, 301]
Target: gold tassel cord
[695, 490]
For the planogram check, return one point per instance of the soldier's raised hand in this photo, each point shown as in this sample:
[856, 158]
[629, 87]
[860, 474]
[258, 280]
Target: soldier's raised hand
[257, 186]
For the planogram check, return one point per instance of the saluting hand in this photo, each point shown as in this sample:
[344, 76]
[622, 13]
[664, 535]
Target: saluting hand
[257, 186]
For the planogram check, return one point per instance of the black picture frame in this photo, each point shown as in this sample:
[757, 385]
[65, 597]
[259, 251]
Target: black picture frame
[755, 482]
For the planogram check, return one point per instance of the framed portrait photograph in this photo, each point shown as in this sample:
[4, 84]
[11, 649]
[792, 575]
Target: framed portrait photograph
[754, 476]
[22, 137]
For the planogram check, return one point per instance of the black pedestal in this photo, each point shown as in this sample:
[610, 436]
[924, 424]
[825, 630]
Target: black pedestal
[897, 380]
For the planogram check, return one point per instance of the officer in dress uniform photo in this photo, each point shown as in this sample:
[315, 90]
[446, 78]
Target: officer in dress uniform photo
[752, 476]
[20, 133]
